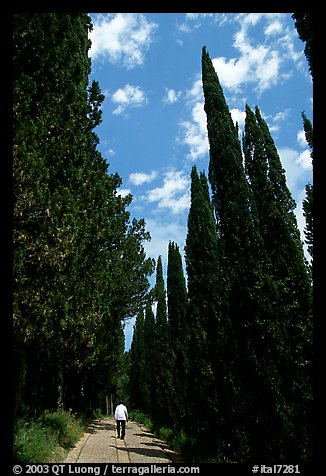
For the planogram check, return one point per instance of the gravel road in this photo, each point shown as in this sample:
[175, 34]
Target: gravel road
[100, 445]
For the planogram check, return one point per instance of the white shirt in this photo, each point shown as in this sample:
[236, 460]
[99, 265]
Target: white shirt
[121, 412]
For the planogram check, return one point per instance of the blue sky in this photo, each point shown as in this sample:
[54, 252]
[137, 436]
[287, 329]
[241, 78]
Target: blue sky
[148, 66]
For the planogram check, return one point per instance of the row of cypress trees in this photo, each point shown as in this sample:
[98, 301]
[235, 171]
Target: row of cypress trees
[79, 264]
[228, 358]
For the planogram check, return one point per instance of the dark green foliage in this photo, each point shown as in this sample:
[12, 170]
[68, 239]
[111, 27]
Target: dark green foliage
[305, 28]
[267, 279]
[148, 387]
[79, 264]
[163, 359]
[240, 339]
[178, 331]
[137, 363]
[44, 439]
[202, 318]
[307, 126]
[290, 331]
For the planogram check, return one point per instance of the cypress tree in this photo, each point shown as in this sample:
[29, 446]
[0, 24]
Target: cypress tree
[206, 375]
[305, 28]
[137, 387]
[249, 290]
[163, 377]
[286, 269]
[150, 389]
[178, 330]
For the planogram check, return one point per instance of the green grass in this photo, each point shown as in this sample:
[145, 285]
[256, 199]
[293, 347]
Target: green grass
[46, 439]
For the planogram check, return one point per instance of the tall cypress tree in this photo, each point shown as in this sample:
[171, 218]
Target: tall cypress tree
[150, 389]
[249, 289]
[206, 375]
[137, 364]
[286, 268]
[163, 375]
[178, 330]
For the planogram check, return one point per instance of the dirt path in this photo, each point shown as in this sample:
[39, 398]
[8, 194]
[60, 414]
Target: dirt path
[100, 445]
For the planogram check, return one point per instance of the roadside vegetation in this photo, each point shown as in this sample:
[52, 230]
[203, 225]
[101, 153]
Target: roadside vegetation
[46, 438]
[191, 449]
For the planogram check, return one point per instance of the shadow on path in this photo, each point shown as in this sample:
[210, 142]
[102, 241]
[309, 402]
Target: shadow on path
[99, 426]
[146, 433]
[150, 453]
[159, 443]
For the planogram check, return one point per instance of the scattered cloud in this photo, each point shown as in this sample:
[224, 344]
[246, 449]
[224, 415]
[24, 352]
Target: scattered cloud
[161, 234]
[304, 160]
[174, 194]
[128, 97]
[121, 38]
[195, 20]
[139, 178]
[301, 138]
[171, 96]
[258, 63]
[273, 28]
[238, 117]
[195, 132]
[298, 169]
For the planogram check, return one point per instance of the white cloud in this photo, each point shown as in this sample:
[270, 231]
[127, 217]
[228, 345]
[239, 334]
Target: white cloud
[273, 28]
[298, 172]
[298, 169]
[258, 63]
[304, 160]
[171, 96]
[301, 138]
[161, 234]
[196, 18]
[174, 194]
[301, 221]
[195, 94]
[238, 117]
[123, 192]
[195, 132]
[127, 97]
[276, 120]
[121, 38]
[139, 178]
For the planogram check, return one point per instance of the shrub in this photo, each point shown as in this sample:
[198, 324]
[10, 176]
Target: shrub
[45, 439]
[34, 443]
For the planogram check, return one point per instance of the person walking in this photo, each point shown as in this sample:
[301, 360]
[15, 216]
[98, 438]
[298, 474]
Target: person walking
[121, 417]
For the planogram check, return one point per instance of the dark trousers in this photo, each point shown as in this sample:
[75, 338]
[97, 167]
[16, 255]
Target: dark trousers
[122, 424]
